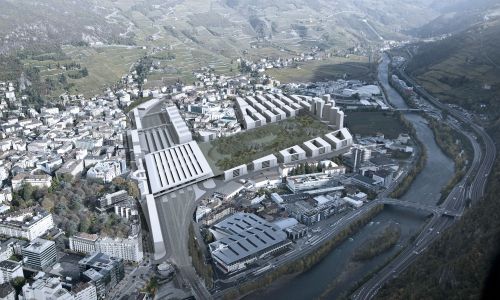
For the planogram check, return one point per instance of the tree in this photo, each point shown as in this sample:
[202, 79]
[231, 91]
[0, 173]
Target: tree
[27, 191]
[47, 204]
[18, 283]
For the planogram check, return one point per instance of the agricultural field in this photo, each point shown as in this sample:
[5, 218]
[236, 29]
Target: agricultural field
[242, 148]
[353, 67]
[105, 66]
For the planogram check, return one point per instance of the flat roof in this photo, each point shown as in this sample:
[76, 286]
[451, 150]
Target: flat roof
[265, 158]
[246, 235]
[339, 135]
[311, 143]
[174, 166]
[292, 150]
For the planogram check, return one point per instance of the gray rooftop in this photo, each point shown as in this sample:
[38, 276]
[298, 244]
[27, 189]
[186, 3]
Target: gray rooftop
[246, 235]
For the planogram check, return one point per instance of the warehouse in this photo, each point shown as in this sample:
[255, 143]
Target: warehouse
[244, 238]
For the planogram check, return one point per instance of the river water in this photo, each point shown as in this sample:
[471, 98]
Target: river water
[337, 273]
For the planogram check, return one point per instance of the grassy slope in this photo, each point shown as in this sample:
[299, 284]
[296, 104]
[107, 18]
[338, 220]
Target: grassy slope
[457, 69]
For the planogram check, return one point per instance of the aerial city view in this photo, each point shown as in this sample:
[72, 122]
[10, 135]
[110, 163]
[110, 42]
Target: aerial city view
[249, 149]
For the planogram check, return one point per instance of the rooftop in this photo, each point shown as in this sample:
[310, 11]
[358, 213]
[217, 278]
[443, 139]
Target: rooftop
[246, 235]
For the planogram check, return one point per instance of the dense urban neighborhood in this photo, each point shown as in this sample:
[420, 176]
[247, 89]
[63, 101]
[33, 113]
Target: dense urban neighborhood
[239, 154]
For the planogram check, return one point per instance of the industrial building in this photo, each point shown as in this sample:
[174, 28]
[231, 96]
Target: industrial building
[244, 238]
[175, 167]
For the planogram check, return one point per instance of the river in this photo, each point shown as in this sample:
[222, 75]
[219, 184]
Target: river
[337, 272]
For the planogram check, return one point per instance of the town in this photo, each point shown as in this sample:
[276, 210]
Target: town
[85, 181]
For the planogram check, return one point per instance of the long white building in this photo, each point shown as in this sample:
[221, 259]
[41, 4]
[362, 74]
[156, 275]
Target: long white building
[129, 249]
[174, 167]
[16, 226]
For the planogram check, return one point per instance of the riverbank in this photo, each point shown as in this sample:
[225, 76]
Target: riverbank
[379, 243]
[305, 263]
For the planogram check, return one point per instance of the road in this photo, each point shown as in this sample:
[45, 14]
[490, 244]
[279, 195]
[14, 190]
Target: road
[472, 186]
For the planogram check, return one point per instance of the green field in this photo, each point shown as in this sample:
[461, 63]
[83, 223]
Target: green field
[242, 148]
[371, 123]
[354, 67]
[105, 67]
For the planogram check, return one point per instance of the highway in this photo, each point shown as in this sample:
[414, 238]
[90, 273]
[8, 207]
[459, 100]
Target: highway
[472, 186]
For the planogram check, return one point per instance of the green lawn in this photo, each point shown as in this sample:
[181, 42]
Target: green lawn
[242, 148]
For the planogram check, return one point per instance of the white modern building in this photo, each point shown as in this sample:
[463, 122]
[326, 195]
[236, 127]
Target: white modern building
[235, 172]
[17, 226]
[340, 139]
[83, 242]
[129, 249]
[181, 132]
[292, 154]
[265, 162]
[9, 270]
[317, 147]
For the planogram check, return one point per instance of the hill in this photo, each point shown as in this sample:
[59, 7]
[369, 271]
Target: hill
[463, 69]
[457, 15]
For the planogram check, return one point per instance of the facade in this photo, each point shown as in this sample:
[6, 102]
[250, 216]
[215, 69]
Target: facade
[340, 139]
[292, 154]
[265, 162]
[83, 242]
[40, 254]
[317, 147]
[84, 291]
[235, 172]
[16, 226]
[244, 238]
[39, 181]
[9, 270]
[129, 249]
